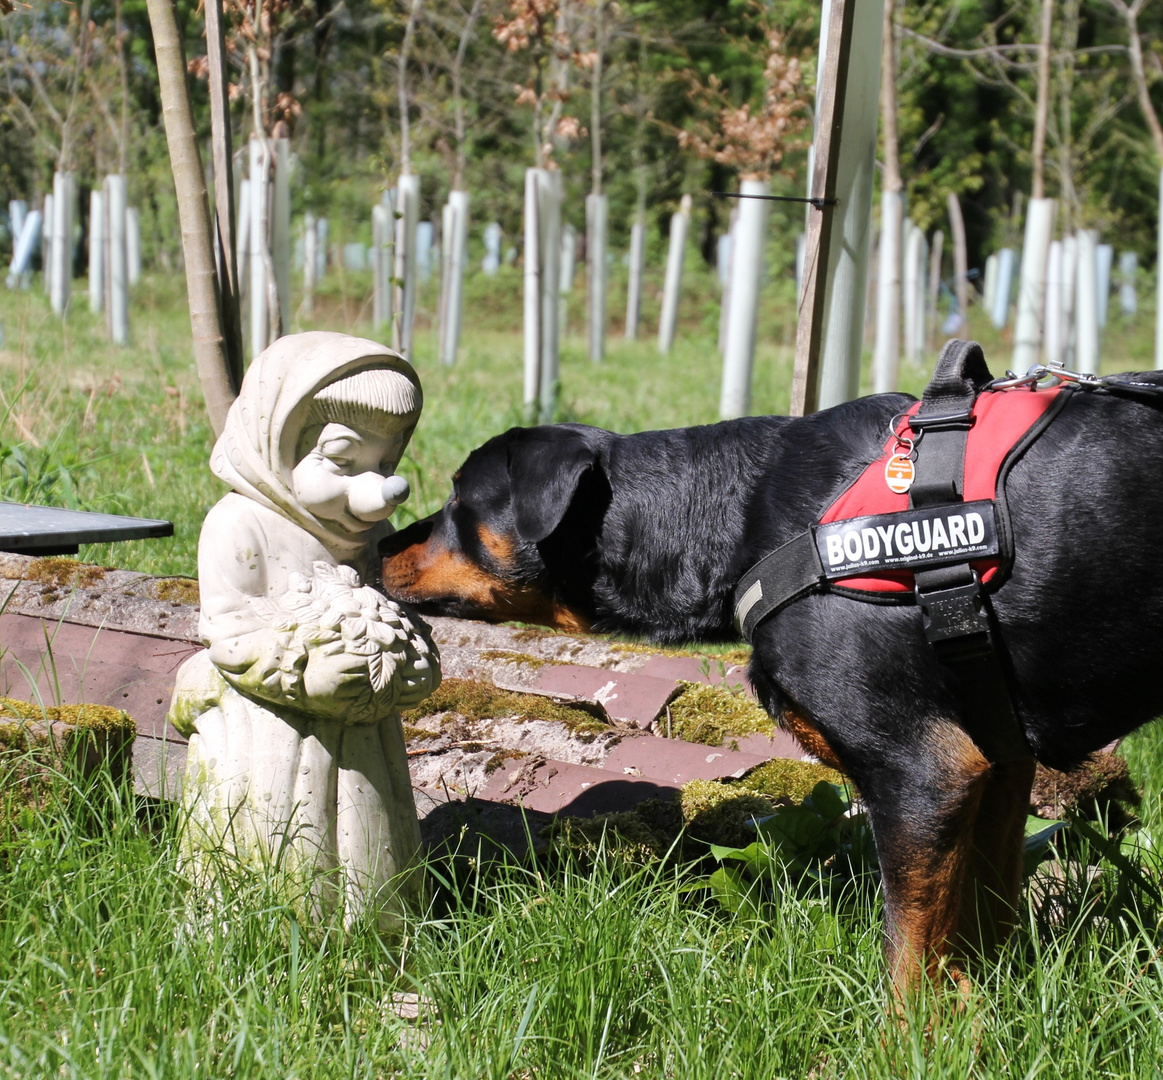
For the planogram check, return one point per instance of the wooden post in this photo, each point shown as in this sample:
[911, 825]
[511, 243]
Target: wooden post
[847, 253]
[836, 42]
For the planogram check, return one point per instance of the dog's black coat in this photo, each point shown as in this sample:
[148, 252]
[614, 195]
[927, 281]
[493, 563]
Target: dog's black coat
[649, 533]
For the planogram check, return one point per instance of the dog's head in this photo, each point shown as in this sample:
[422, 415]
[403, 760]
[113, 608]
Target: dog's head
[515, 540]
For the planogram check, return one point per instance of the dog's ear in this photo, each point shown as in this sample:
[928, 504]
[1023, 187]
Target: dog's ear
[545, 466]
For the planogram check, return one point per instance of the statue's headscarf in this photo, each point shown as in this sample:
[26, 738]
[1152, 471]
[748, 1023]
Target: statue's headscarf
[256, 451]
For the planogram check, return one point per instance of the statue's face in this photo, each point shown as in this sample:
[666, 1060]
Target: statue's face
[340, 475]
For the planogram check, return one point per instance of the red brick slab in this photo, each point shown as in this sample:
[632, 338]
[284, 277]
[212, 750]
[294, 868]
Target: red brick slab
[634, 699]
[576, 790]
[692, 669]
[134, 672]
[675, 762]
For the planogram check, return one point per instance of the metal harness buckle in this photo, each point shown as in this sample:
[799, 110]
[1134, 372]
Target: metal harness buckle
[955, 621]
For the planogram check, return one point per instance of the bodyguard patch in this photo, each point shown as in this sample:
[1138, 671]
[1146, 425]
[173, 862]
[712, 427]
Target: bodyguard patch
[907, 539]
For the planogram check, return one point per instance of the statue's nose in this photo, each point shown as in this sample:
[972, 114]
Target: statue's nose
[372, 497]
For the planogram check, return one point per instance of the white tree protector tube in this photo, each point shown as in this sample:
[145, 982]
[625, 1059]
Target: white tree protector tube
[743, 312]
[1086, 322]
[1054, 324]
[672, 286]
[1030, 324]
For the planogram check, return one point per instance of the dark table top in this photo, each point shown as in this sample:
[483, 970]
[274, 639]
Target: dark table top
[48, 530]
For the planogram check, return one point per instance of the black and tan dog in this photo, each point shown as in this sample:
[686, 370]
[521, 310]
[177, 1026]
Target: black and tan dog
[579, 528]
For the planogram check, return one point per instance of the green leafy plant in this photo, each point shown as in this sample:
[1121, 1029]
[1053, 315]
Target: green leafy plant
[821, 841]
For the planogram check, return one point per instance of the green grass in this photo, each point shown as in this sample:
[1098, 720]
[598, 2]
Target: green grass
[113, 965]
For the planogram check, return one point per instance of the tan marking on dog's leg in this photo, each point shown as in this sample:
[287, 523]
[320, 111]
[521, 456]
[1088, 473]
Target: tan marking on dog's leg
[993, 882]
[809, 737]
[924, 864]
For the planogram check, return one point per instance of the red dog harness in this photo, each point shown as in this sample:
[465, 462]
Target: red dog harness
[1002, 424]
[926, 523]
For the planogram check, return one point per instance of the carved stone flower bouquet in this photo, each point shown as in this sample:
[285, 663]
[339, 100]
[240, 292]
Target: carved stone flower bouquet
[347, 652]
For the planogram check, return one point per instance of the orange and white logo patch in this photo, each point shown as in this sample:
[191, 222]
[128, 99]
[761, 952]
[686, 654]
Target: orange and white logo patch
[899, 473]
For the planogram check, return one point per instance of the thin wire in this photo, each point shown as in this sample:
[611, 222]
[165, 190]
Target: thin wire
[819, 204]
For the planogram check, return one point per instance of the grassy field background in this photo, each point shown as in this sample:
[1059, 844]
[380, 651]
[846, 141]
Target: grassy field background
[113, 965]
[128, 428]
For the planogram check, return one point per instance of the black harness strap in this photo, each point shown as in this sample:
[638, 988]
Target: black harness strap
[955, 614]
[792, 570]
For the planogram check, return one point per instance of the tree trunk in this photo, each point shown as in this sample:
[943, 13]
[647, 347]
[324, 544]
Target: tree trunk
[1042, 108]
[402, 89]
[193, 214]
[960, 262]
[220, 140]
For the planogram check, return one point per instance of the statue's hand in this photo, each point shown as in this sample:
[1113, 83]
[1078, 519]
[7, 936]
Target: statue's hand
[333, 674]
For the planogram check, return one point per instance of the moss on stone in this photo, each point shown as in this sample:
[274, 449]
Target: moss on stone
[645, 834]
[476, 700]
[101, 718]
[59, 571]
[719, 811]
[508, 657]
[711, 714]
[412, 733]
[177, 590]
[734, 657]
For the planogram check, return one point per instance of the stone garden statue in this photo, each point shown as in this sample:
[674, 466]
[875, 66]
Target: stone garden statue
[296, 752]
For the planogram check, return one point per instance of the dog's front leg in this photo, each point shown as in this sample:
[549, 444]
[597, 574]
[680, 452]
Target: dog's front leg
[992, 885]
[925, 811]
